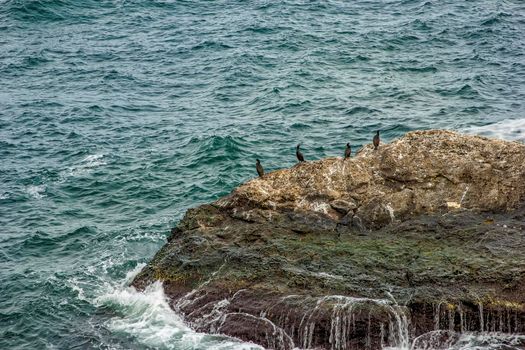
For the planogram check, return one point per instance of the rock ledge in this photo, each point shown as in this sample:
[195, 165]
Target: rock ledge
[425, 234]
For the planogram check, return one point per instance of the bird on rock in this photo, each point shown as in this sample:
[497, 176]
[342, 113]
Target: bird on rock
[259, 168]
[299, 154]
[376, 140]
[348, 151]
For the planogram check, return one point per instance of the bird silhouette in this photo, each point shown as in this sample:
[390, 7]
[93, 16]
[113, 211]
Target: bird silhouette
[259, 168]
[299, 154]
[376, 140]
[348, 151]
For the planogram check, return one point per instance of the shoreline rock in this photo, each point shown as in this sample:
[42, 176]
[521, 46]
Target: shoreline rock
[425, 233]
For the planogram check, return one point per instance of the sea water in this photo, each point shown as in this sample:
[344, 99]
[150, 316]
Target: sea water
[117, 116]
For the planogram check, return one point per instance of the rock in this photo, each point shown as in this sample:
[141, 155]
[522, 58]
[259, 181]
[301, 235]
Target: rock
[322, 255]
[376, 213]
[343, 206]
[358, 223]
[175, 233]
[347, 219]
[423, 172]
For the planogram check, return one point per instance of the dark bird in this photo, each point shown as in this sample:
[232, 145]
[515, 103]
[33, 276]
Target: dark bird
[259, 168]
[299, 154]
[376, 140]
[348, 151]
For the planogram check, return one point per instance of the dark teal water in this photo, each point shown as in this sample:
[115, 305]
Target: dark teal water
[117, 116]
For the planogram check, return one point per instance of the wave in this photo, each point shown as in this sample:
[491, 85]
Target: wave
[67, 242]
[404, 39]
[421, 25]
[35, 10]
[492, 340]
[47, 10]
[147, 317]
[263, 30]
[449, 340]
[465, 91]
[300, 126]
[215, 148]
[86, 165]
[481, 33]
[512, 130]
[36, 191]
[33, 60]
[213, 45]
[360, 110]
[93, 160]
[495, 19]
[427, 69]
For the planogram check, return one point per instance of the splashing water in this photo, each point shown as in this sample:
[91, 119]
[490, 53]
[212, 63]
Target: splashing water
[36, 192]
[513, 129]
[490, 340]
[344, 313]
[444, 339]
[86, 165]
[147, 317]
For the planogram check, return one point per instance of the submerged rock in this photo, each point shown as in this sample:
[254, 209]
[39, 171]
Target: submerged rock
[426, 233]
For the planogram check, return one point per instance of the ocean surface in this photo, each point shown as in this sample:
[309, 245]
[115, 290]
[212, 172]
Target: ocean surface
[118, 116]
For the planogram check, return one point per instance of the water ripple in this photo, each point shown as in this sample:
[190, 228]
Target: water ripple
[117, 116]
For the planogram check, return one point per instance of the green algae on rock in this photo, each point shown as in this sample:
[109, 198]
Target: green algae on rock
[426, 233]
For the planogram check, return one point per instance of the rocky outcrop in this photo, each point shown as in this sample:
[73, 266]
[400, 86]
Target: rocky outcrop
[421, 173]
[426, 233]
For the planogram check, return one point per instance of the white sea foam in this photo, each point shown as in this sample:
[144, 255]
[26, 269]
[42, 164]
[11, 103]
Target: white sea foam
[512, 130]
[36, 192]
[473, 341]
[148, 318]
[74, 284]
[94, 160]
[4, 195]
[133, 273]
[85, 165]
[486, 340]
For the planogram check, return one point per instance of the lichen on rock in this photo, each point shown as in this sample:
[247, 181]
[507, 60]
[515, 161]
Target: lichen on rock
[420, 173]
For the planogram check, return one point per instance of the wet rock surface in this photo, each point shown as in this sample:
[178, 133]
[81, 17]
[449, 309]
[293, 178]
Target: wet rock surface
[426, 233]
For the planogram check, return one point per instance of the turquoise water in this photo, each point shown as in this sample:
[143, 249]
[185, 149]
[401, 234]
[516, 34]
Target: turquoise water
[117, 116]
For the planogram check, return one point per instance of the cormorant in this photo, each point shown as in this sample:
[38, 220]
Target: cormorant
[259, 168]
[376, 140]
[348, 151]
[299, 154]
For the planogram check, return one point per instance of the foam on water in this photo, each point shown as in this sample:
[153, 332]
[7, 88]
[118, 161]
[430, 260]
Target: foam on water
[74, 284]
[486, 340]
[144, 315]
[147, 317]
[130, 275]
[468, 341]
[93, 161]
[512, 130]
[85, 165]
[36, 191]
